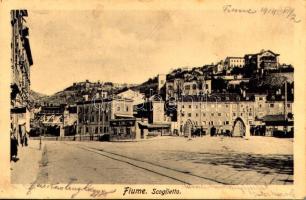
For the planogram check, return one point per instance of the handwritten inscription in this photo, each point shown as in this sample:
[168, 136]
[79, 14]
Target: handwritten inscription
[286, 12]
[75, 190]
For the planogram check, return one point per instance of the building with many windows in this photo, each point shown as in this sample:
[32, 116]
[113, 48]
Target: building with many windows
[21, 61]
[265, 59]
[223, 110]
[94, 116]
[231, 62]
[179, 87]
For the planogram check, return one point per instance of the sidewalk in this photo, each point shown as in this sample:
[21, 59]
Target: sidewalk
[25, 170]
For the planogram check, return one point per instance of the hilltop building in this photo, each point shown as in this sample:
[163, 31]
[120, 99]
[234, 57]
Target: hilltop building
[265, 59]
[231, 62]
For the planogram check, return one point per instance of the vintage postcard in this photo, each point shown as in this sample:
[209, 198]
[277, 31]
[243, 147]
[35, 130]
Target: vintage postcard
[152, 99]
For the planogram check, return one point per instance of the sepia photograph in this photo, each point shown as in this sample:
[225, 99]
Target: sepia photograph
[164, 98]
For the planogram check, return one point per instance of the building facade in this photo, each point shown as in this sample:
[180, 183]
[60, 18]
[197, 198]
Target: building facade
[179, 87]
[222, 111]
[265, 59]
[231, 62]
[21, 61]
[94, 116]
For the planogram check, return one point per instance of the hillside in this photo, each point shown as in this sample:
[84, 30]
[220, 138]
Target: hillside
[76, 92]
[36, 96]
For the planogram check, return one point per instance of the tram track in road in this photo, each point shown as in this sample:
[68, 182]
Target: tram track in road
[183, 177]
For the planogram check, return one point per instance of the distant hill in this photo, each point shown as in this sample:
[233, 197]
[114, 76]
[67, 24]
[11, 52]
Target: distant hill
[76, 92]
[36, 96]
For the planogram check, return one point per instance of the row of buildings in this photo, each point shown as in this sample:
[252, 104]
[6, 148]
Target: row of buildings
[265, 59]
[121, 119]
[21, 61]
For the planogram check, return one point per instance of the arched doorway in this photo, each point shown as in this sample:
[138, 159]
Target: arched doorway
[189, 126]
[240, 129]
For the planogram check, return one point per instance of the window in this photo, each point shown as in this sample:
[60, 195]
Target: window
[196, 114]
[196, 106]
[183, 106]
[271, 105]
[127, 109]
[260, 105]
[288, 105]
[203, 114]
[189, 106]
[234, 114]
[183, 114]
[219, 114]
[189, 114]
[250, 114]
[194, 86]
[227, 122]
[260, 98]
[118, 108]
[128, 130]
[212, 114]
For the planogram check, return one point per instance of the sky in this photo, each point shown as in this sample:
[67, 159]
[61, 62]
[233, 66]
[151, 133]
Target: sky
[130, 46]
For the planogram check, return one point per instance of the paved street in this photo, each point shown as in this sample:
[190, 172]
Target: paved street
[169, 160]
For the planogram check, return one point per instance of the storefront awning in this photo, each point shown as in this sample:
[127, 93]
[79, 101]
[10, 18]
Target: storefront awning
[123, 116]
[18, 110]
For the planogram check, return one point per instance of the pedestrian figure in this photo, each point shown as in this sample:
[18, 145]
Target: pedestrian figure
[212, 131]
[25, 139]
[14, 147]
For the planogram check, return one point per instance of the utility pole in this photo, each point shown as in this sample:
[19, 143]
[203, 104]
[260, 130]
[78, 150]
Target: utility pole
[285, 108]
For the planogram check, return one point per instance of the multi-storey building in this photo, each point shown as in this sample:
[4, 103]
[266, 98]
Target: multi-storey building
[265, 59]
[179, 87]
[56, 120]
[94, 117]
[231, 62]
[223, 110]
[21, 60]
